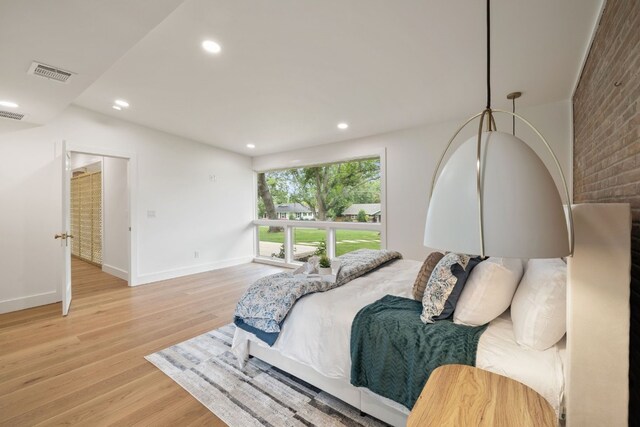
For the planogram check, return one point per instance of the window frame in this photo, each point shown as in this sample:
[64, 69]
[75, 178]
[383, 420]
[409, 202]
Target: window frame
[329, 226]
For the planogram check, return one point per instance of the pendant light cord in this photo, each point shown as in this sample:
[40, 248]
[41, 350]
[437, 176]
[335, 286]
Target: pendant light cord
[513, 117]
[488, 53]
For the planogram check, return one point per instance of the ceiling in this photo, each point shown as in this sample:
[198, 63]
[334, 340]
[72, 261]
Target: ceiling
[82, 36]
[290, 70]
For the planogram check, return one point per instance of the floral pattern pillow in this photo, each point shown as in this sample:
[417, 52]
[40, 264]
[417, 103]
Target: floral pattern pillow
[441, 286]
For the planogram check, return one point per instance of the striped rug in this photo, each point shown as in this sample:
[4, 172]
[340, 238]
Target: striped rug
[258, 395]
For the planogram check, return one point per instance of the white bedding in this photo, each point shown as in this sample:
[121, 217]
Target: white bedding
[317, 333]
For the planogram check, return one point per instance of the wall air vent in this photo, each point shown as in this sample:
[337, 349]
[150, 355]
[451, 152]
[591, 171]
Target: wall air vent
[49, 72]
[11, 115]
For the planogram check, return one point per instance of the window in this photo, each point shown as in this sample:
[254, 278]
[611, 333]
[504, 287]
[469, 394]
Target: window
[345, 191]
[333, 209]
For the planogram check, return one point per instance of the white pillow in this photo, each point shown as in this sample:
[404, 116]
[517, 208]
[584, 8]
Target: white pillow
[488, 291]
[539, 307]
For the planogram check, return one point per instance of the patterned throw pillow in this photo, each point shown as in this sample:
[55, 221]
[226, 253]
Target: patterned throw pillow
[445, 286]
[425, 273]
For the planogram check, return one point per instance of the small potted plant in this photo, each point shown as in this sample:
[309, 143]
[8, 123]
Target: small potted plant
[324, 266]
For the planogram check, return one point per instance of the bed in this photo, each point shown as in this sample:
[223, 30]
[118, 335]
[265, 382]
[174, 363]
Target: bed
[314, 342]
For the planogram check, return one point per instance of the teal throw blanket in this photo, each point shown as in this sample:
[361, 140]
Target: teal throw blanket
[393, 352]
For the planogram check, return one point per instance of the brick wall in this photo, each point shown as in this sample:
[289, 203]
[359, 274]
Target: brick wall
[606, 155]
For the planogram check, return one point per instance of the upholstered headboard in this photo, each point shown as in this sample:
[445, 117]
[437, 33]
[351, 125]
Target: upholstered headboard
[597, 389]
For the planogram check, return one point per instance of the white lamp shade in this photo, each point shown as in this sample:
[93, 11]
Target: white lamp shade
[523, 215]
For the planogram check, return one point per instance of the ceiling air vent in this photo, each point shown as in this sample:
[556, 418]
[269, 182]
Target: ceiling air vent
[49, 72]
[11, 115]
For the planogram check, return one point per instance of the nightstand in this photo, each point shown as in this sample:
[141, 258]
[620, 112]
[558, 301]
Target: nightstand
[457, 395]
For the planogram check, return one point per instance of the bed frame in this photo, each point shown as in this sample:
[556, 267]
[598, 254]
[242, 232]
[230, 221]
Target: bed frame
[360, 398]
[597, 382]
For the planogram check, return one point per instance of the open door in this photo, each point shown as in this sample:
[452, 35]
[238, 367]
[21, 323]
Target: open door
[64, 236]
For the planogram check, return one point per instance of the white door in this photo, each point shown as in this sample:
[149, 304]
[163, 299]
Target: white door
[64, 236]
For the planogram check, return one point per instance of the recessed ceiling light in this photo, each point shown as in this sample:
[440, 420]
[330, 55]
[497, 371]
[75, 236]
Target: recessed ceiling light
[8, 104]
[115, 107]
[252, 146]
[343, 126]
[122, 103]
[211, 46]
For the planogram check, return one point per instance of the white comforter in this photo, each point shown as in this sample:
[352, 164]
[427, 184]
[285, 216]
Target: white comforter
[317, 333]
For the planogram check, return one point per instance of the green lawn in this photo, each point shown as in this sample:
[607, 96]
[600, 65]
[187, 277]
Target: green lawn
[345, 239]
[343, 248]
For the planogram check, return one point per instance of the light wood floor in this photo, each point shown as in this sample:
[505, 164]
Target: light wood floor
[88, 368]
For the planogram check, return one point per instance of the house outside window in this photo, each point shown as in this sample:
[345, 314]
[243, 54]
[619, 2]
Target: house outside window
[370, 212]
[287, 210]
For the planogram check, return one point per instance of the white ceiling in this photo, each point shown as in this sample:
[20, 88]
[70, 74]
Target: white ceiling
[290, 70]
[82, 36]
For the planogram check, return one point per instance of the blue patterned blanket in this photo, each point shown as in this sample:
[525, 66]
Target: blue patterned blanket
[264, 306]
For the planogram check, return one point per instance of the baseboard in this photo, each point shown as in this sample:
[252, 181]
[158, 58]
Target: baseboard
[115, 271]
[186, 271]
[30, 301]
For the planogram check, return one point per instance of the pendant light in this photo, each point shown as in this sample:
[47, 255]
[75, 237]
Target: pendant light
[495, 196]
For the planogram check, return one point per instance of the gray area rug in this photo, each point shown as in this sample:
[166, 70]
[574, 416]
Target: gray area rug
[258, 395]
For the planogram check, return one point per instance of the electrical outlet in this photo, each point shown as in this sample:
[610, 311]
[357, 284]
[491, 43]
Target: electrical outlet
[196, 254]
[151, 214]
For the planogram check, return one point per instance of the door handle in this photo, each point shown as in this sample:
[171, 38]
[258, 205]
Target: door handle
[64, 236]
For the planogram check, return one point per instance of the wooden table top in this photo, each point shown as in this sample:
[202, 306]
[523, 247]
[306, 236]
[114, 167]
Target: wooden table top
[457, 395]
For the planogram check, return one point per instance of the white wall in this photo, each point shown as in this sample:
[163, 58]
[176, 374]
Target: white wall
[115, 214]
[193, 211]
[411, 157]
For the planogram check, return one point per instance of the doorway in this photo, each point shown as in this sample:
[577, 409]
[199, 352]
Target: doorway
[99, 222]
[97, 239]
